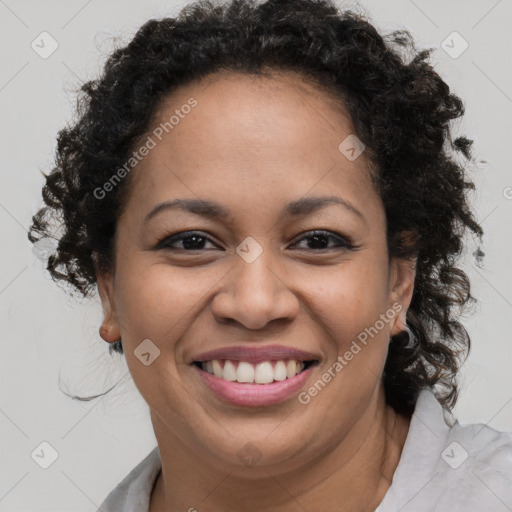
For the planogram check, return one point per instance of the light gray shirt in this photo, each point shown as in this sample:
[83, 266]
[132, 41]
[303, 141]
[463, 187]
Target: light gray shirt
[443, 467]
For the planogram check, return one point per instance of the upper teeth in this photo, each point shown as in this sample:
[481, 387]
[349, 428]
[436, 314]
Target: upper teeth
[261, 373]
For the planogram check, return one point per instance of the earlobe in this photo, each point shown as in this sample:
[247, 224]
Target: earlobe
[109, 329]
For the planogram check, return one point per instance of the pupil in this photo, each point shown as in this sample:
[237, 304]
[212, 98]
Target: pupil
[317, 238]
[192, 245]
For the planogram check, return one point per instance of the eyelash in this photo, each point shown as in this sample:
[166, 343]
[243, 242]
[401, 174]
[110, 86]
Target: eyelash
[342, 242]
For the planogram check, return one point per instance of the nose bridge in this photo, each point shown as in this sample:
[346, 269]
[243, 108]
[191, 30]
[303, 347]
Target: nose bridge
[254, 276]
[254, 293]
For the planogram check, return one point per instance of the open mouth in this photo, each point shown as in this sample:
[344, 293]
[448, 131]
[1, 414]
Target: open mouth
[265, 372]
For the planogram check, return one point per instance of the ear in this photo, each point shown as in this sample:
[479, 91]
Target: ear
[109, 330]
[403, 272]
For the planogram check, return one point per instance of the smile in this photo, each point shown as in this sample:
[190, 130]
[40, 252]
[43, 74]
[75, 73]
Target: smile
[265, 372]
[254, 375]
[262, 384]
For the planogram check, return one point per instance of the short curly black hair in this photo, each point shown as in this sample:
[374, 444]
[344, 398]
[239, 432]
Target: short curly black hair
[400, 109]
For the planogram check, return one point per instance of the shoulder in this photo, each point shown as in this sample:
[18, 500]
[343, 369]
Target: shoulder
[479, 459]
[133, 492]
[448, 466]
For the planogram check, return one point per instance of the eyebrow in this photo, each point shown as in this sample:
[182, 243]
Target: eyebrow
[210, 209]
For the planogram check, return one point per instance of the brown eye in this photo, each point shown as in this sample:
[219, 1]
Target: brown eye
[319, 240]
[190, 240]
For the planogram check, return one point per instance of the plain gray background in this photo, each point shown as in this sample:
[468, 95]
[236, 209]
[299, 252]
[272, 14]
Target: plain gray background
[46, 334]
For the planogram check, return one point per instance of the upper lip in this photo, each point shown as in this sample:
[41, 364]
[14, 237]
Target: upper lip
[256, 354]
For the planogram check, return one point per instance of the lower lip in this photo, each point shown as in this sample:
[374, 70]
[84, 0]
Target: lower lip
[254, 395]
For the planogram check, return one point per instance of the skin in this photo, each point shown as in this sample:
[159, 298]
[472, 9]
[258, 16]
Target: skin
[253, 144]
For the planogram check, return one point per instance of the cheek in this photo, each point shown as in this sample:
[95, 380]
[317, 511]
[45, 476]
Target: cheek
[350, 298]
[349, 307]
[157, 301]
[149, 303]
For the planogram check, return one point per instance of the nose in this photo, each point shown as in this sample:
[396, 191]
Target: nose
[254, 294]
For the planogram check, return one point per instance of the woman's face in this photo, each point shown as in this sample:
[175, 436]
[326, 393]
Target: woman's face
[260, 149]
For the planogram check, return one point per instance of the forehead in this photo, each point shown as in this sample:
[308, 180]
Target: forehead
[250, 137]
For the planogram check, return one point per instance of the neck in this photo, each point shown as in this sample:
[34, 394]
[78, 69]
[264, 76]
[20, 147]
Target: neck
[365, 460]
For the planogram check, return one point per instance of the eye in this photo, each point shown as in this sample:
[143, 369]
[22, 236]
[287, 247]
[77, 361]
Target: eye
[319, 240]
[196, 240]
[191, 240]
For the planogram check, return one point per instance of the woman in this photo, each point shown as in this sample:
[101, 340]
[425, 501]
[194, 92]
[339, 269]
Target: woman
[265, 197]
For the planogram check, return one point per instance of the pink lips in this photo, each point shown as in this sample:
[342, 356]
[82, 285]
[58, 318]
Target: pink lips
[254, 395]
[256, 354]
